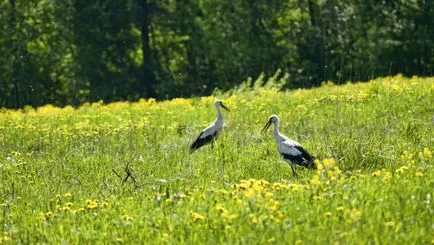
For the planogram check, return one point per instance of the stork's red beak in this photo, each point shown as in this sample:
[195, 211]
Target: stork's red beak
[266, 126]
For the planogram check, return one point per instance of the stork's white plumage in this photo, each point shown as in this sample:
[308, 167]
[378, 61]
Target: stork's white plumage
[289, 149]
[210, 133]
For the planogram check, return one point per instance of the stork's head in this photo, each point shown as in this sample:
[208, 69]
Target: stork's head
[218, 103]
[272, 119]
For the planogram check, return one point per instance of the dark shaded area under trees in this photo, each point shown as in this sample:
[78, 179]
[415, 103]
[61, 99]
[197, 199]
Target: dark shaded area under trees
[72, 51]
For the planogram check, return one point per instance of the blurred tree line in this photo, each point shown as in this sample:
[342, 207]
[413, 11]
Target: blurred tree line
[71, 51]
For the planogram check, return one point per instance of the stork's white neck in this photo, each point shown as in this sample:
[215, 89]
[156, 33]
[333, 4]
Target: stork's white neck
[276, 132]
[219, 113]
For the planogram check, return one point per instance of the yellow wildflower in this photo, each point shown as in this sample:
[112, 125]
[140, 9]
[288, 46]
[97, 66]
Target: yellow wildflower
[278, 186]
[387, 175]
[376, 173]
[354, 214]
[4, 239]
[328, 214]
[271, 240]
[254, 219]
[329, 163]
[196, 216]
[220, 208]
[315, 181]
[315, 197]
[419, 174]
[229, 216]
[389, 224]
[48, 214]
[91, 204]
[223, 191]
[425, 154]
[68, 194]
[399, 171]
[340, 209]
[242, 186]
[127, 217]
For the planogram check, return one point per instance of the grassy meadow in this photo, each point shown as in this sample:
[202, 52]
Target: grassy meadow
[62, 169]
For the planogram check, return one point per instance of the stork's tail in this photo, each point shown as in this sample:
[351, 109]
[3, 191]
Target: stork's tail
[310, 163]
[192, 148]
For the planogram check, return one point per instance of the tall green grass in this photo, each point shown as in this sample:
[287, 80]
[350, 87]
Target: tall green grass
[374, 142]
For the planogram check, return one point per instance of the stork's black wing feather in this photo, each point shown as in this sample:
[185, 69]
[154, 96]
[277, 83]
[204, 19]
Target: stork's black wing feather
[199, 142]
[304, 159]
[308, 159]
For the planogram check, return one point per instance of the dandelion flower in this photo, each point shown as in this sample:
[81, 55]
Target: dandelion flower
[271, 240]
[127, 217]
[196, 216]
[4, 239]
[277, 186]
[229, 216]
[419, 174]
[91, 204]
[254, 219]
[68, 194]
[399, 171]
[425, 154]
[376, 174]
[328, 214]
[220, 208]
[389, 224]
[223, 191]
[315, 197]
[48, 214]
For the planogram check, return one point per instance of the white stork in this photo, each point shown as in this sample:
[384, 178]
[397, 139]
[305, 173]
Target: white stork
[210, 133]
[289, 149]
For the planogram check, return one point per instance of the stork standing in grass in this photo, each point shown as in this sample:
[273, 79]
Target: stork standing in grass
[210, 133]
[289, 149]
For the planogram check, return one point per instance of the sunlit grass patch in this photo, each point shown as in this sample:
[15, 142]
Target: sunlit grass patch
[62, 169]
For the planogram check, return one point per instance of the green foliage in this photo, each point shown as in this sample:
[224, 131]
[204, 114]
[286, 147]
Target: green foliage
[374, 182]
[70, 52]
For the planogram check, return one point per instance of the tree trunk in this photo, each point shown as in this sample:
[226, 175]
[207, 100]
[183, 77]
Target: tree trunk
[144, 20]
[317, 55]
[18, 102]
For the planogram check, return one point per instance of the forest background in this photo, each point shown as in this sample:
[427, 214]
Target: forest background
[73, 51]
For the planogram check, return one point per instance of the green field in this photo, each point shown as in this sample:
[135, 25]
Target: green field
[373, 142]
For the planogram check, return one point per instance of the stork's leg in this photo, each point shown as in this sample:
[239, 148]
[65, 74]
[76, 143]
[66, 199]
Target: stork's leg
[293, 170]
